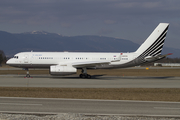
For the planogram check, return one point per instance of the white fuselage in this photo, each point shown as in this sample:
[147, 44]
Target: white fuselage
[46, 59]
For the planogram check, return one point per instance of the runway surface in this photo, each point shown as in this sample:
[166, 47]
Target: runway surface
[55, 106]
[95, 82]
[89, 107]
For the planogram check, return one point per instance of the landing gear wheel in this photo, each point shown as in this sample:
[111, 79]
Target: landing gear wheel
[85, 76]
[27, 73]
[88, 76]
[28, 76]
[81, 75]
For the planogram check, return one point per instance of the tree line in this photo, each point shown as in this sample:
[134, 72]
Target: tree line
[2, 57]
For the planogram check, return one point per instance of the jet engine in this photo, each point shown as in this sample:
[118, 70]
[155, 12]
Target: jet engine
[62, 70]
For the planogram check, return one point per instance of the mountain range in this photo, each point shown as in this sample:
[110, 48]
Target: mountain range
[12, 43]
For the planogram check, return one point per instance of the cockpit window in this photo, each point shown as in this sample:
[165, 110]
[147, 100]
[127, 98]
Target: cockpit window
[16, 57]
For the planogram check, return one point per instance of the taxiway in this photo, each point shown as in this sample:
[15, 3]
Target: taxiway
[95, 82]
[103, 107]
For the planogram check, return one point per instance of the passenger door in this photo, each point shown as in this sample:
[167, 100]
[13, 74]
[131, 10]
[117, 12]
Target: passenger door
[26, 58]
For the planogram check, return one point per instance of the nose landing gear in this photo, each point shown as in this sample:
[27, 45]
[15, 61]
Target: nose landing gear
[27, 73]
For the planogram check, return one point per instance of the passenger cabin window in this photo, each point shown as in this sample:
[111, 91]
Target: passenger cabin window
[45, 57]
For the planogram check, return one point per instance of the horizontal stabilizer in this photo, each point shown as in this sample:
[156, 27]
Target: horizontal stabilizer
[154, 58]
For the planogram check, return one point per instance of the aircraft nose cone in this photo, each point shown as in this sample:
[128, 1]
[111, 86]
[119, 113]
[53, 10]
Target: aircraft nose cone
[8, 62]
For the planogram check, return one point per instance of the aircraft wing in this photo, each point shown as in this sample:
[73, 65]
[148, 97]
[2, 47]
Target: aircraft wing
[89, 64]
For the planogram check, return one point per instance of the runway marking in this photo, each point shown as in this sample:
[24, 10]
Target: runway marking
[100, 114]
[23, 112]
[31, 98]
[166, 108]
[20, 104]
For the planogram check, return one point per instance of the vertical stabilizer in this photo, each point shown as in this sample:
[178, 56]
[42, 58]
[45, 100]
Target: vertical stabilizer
[154, 43]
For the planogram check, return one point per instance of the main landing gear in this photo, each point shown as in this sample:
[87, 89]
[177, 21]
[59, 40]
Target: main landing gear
[27, 73]
[84, 74]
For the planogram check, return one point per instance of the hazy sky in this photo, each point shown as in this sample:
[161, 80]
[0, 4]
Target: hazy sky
[128, 19]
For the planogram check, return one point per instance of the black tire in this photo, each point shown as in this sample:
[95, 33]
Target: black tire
[89, 76]
[83, 76]
[28, 76]
[80, 75]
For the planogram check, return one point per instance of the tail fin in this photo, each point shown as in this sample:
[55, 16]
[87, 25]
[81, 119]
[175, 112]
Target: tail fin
[154, 43]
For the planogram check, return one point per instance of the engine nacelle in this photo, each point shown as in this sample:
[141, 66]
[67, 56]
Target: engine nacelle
[62, 70]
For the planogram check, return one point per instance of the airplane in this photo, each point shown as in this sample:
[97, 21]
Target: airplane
[67, 63]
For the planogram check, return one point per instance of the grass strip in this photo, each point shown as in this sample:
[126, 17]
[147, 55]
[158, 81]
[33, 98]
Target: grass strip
[144, 94]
